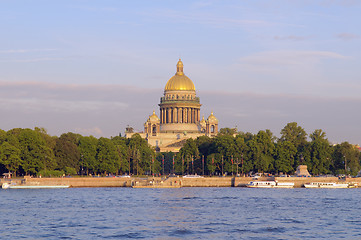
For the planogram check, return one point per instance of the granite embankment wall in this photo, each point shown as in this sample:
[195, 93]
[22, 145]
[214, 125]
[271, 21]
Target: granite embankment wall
[184, 182]
[82, 181]
[128, 182]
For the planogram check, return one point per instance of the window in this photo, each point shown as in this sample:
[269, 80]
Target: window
[154, 130]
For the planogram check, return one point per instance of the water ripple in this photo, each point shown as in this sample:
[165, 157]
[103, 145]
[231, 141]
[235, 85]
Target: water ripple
[186, 213]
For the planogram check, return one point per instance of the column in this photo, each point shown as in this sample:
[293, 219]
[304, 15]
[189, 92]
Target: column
[164, 116]
[171, 115]
[176, 115]
[184, 115]
[192, 115]
[168, 115]
[189, 115]
[161, 115]
[180, 115]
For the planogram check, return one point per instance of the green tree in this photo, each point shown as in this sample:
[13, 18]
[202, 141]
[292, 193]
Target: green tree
[285, 157]
[107, 156]
[241, 154]
[321, 152]
[88, 150]
[226, 146]
[261, 151]
[188, 152]
[227, 131]
[205, 145]
[140, 155]
[33, 151]
[66, 151]
[294, 134]
[214, 163]
[10, 157]
[122, 149]
[2, 136]
[346, 159]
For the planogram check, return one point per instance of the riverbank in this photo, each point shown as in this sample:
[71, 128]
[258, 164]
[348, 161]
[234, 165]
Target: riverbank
[79, 182]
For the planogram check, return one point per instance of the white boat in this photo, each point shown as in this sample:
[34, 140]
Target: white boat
[23, 186]
[284, 185]
[192, 176]
[325, 185]
[270, 184]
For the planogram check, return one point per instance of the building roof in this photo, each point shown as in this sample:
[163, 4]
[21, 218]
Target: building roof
[179, 82]
[212, 118]
[153, 117]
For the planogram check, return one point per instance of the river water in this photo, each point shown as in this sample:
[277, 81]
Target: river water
[184, 213]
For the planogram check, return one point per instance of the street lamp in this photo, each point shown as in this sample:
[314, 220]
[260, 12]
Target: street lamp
[82, 164]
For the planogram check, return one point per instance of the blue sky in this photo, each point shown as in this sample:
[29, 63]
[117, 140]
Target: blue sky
[93, 67]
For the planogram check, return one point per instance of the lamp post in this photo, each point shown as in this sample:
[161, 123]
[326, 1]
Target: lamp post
[203, 163]
[182, 165]
[82, 164]
[242, 163]
[192, 165]
[222, 165]
[163, 163]
[237, 167]
[153, 165]
[173, 164]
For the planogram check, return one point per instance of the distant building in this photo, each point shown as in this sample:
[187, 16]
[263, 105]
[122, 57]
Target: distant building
[179, 116]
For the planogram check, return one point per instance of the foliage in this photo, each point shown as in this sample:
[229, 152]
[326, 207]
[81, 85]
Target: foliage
[35, 152]
[51, 173]
[346, 159]
[10, 157]
[67, 152]
[294, 134]
[285, 157]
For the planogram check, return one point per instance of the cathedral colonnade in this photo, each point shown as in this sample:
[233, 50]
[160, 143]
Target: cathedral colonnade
[179, 115]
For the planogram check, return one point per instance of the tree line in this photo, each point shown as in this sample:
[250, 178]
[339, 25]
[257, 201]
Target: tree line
[238, 152]
[35, 152]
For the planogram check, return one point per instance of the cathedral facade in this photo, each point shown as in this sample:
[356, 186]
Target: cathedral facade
[179, 116]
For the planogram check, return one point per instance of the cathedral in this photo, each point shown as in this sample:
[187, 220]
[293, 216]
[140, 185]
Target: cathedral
[179, 117]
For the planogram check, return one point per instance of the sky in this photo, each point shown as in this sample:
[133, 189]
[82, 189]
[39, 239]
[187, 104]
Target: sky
[94, 67]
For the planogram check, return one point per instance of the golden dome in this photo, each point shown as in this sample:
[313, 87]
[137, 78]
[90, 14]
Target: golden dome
[212, 118]
[153, 117]
[179, 82]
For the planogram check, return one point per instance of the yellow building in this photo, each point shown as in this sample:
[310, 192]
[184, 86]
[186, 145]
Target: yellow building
[179, 116]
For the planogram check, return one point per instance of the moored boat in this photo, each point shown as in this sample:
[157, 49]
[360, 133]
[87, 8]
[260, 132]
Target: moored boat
[24, 186]
[157, 186]
[326, 185]
[284, 185]
[270, 184]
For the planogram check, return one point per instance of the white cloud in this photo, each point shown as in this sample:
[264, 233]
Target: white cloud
[28, 50]
[288, 57]
[95, 131]
[30, 60]
[290, 38]
[347, 36]
[210, 20]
